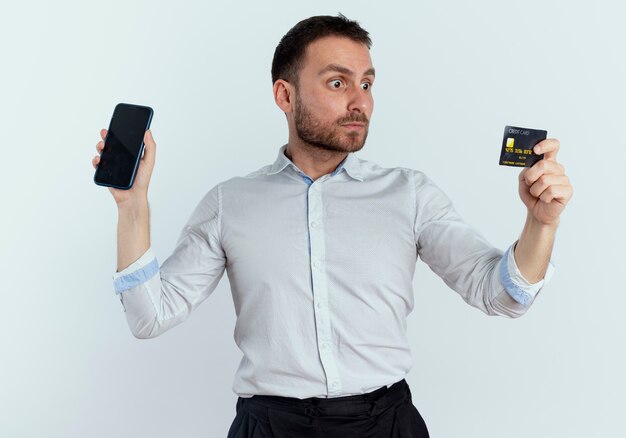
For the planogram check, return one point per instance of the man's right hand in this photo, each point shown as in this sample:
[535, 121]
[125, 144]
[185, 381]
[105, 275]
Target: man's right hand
[139, 190]
[133, 227]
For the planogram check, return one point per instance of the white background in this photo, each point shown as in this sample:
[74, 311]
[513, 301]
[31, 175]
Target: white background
[450, 76]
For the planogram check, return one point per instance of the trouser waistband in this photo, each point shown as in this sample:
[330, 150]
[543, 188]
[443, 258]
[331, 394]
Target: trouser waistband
[364, 404]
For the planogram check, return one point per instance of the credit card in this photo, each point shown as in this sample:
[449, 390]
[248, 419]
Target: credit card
[517, 146]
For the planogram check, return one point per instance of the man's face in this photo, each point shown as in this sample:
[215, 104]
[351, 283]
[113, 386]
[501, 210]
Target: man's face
[333, 99]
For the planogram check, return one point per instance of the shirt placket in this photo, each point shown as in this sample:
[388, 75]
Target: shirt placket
[320, 286]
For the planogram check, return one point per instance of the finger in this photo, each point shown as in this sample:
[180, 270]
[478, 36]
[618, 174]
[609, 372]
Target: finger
[100, 146]
[546, 181]
[549, 147]
[95, 160]
[543, 167]
[522, 175]
[560, 194]
[150, 147]
[103, 133]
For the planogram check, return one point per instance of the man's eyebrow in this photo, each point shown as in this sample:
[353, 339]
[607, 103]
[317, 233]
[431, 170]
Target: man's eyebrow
[344, 70]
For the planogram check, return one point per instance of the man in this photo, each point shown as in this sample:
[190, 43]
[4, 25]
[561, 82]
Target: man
[320, 249]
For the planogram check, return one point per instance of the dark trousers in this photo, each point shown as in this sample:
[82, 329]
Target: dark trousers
[384, 413]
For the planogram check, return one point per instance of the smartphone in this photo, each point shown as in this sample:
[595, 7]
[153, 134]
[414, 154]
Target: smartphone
[123, 146]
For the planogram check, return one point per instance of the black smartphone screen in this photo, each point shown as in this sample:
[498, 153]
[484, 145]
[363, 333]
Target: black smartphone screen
[123, 146]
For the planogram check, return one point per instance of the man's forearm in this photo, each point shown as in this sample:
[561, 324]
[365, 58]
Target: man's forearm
[534, 249]
[133, 232]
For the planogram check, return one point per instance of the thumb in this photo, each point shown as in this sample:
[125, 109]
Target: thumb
[150, 147]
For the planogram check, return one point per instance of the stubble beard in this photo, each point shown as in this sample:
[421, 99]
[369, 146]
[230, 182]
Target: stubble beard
[313, 131]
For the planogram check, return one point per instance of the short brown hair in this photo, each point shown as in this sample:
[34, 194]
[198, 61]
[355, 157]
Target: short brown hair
[290, 52]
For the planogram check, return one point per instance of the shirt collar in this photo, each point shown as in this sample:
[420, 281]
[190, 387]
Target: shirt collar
[351, 164]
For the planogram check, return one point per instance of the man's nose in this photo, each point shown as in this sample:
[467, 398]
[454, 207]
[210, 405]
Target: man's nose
[360, 99]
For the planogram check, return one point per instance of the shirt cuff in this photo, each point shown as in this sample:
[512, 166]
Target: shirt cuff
[138, 272]
[514, 282]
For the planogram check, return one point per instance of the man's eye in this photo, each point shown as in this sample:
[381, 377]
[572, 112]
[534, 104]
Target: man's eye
[336, 83]
[366, 85]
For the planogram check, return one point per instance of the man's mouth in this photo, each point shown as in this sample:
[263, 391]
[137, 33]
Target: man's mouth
[354, 125]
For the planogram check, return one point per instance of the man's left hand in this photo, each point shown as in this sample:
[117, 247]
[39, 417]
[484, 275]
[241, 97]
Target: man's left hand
[544, 188]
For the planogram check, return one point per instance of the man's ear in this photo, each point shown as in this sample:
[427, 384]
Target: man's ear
[284, 93]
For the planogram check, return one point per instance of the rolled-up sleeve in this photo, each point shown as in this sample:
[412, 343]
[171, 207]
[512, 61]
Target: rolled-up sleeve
[137, 273]
[480, 273]
[155, 298]
[514, 282]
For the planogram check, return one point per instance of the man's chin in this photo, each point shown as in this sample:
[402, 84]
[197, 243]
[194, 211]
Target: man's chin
[350, 142]
[356, 144]
[345, 144]
[346, 147]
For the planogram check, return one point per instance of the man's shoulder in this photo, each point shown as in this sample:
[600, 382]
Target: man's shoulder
[373, 168]
[238, 180]
[259, 173]
[251, 178]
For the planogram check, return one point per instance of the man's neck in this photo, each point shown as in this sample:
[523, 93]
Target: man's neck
[312, 160]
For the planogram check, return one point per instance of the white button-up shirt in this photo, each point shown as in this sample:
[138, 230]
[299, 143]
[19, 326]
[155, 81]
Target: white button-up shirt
[321, 273]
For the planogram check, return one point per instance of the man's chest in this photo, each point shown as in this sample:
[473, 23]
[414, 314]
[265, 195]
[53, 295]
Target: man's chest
[364, 234]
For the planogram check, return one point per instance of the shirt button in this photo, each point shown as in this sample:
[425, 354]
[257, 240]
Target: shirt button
[316, 263]
[320, 304]
[334, 384]
[313, 224]
[325, 346]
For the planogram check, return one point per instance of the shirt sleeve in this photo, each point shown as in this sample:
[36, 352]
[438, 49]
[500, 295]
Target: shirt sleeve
[514, 282]
[480, 273]
[155, 298]
[136, 273]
